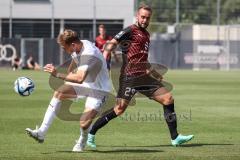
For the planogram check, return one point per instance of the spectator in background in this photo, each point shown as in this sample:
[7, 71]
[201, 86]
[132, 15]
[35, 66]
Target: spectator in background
[101, 40]
[16, 63]
[31, 64]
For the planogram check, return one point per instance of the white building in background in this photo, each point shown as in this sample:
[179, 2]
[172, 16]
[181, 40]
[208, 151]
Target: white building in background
[31, 26]
[32, 18]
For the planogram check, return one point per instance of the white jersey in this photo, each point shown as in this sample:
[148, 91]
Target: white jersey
[91, 59]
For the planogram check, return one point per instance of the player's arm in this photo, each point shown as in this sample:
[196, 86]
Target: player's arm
[77, 77]
[123, 35]
[71, 67]
[109, 48]
[88, 64]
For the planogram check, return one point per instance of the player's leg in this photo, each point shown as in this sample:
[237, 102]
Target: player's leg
[163, 96]
[125, 94]
[102, 121]
[64, 92]
[85, 122]
[92, 107]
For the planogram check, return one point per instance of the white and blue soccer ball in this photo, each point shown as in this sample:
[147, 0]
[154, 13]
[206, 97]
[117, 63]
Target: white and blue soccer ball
[24, 86]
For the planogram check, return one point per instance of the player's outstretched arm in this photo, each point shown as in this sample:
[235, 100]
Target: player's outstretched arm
[77, 77]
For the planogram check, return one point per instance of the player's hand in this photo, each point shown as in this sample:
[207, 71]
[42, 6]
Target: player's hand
[154, 74]
[50, 69]
[148, 71]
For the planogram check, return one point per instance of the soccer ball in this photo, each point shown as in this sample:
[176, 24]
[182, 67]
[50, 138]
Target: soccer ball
[24, 86]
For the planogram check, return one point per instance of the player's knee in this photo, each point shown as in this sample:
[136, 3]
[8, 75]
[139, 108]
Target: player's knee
[84, 125]
[119, 112]
[119, 109]
[168, 99]
[58, 95]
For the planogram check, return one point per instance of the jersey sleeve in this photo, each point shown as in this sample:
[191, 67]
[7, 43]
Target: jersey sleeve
[90, 63]
[124, 34]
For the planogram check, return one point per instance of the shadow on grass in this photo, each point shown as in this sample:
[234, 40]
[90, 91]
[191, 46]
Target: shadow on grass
[129, 151]
[120, 150]
[184, 145]
[205, 144]
[132, 149]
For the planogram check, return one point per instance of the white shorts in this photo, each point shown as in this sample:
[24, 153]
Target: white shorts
[94, 103]
[94, 99]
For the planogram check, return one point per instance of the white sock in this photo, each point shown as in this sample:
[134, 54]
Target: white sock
[83, 134]
[50, 115]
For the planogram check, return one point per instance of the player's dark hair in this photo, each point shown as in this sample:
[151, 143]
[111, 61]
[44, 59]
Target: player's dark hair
[146, 7]
[101, 26]
[67, 37]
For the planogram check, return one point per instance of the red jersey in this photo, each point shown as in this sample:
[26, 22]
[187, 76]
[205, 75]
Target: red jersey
[134, 42]
[99, 42]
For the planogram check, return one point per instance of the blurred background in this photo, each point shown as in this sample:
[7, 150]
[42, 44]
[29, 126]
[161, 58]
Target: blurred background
[185, 34]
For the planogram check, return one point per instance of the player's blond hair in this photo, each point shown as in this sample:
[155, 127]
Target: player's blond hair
[67, 37]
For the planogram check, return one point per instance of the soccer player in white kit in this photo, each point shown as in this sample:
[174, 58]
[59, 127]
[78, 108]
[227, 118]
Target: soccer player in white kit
[90, 79]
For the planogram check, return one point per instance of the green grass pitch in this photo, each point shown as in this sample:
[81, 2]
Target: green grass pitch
[207, 104]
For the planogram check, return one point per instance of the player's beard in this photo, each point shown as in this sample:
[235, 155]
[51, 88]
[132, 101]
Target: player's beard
[144, 26]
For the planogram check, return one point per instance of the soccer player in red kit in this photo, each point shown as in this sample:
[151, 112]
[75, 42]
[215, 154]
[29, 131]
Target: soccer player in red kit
[100, 42]
[103, 38]
[138, 76]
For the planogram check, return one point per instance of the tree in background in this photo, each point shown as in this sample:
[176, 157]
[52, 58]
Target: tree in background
[231, 12]
[193, 11]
